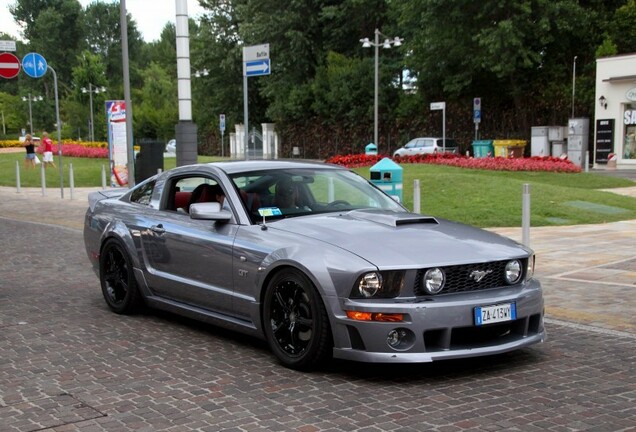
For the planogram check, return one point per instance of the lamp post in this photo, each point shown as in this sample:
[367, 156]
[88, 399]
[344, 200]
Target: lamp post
[31, 98]
[573, 83]
[92, 89]
[366, 43]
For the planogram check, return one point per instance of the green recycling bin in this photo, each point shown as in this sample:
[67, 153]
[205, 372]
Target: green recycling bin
[483, 148]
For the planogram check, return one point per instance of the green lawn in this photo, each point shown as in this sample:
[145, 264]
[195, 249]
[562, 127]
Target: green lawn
[477, 197]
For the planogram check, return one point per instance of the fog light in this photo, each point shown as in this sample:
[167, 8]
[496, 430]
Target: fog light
[400, 339]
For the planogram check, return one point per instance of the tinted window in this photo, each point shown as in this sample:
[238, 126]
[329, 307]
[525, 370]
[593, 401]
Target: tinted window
[143, 193]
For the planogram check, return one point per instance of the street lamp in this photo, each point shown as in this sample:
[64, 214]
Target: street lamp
[366, 43]
[31, 98]
[200, 73]
[92, 89]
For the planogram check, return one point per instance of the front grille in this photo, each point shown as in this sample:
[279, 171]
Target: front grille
[459, 279]
[473, 337]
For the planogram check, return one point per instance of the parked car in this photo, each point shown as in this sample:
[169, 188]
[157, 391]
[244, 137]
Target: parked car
[427, 145]
[314, 259]
[171, 147]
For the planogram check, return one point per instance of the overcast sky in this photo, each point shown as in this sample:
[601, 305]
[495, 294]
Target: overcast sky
[150, 15]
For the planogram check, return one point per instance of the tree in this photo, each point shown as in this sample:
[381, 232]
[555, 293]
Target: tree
[156, 115]
[103, 37]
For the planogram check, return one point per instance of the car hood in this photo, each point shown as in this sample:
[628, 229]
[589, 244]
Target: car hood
[403, 240]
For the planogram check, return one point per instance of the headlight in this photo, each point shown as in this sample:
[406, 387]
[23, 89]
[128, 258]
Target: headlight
[386, 284]
[370, 284]
[513, 272]
[433, 280]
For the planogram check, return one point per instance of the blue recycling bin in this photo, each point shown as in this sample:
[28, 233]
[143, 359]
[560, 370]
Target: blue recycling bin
[387, 175]
[371, 149]
[483, 148]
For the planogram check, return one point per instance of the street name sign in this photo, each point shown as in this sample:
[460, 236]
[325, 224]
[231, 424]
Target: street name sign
[256, 60]
[7, 45]
[438, 106]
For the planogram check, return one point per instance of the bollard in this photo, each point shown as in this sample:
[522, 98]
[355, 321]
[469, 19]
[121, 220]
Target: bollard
[43, 179]
[587, 161]
[103, 177]
[71, 179]
[17, 176]
[416, 196]
[525, 215]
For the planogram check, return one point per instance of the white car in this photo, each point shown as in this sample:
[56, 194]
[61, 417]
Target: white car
[426, 145]
[171, 147]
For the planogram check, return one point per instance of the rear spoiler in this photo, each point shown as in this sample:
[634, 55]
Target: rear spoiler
[95, 197]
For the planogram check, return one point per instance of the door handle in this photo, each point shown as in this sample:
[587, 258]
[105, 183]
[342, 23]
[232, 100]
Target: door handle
[159, 229]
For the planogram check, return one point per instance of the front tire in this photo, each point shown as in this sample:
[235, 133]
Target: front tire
[117, 278]
[295, 321]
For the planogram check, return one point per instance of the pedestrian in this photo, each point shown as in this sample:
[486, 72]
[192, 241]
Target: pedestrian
[48, 150]
[29, 145]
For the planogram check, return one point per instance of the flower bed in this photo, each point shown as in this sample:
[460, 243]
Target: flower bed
[78, 150]
[534, 163]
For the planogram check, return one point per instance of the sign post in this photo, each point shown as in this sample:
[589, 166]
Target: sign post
[9, 65]
[222, 127]
[441, 106]
[476, 115]
[255, 63]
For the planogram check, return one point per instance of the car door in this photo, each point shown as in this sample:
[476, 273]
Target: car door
[189, 260]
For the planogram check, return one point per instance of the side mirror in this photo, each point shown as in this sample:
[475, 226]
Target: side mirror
[209, 211]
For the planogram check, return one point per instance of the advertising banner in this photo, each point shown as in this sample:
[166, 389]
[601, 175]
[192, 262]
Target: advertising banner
[117, 149]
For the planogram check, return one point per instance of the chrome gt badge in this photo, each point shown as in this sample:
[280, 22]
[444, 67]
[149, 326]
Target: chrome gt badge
[478, 275]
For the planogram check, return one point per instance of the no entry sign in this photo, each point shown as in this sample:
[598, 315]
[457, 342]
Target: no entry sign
[9, 65]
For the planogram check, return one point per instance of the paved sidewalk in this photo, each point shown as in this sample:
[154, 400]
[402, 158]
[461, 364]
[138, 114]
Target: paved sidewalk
[588, 271]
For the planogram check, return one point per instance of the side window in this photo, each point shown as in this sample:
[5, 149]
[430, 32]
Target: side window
[143, 194]
[429, 143]
[185, 191]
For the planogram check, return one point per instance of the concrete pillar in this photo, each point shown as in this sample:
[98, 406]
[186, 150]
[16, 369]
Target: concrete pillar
[269, 141]
[240, 141]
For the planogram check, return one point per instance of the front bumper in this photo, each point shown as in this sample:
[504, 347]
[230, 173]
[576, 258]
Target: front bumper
[439, 328]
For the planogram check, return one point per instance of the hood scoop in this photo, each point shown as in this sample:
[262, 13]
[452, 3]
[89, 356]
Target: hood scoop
[393, 219]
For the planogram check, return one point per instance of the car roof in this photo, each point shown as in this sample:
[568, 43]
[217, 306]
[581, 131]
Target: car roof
[238, 166]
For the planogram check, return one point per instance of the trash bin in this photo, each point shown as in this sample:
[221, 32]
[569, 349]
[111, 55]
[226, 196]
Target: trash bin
[371, 149]
[483, 148]
[509, 148]
[149, 160]
[387, 175]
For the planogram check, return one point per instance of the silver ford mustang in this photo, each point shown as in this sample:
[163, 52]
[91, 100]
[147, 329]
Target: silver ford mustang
[314, 259]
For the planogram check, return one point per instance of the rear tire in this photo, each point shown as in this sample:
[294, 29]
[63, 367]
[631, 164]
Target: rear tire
[117, 278]
[295, 321]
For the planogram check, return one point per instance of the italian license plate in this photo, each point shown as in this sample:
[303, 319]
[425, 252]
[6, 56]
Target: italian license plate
[495, 313]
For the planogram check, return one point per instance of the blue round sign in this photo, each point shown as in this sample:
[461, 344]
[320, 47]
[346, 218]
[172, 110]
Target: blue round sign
[34, 65]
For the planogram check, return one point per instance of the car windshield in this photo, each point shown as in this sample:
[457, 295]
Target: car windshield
[298, 192]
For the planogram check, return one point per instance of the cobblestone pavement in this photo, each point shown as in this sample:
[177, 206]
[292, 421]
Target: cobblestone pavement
[68, 364]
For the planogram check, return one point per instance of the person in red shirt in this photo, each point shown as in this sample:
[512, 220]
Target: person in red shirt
[48, 150]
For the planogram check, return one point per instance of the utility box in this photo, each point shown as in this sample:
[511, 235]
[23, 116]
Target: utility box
[483, 148]
[557, 133]
[387, 175]
[539, 141]
[149, 160]
[578, 138]
[559, 148]
[371, 149]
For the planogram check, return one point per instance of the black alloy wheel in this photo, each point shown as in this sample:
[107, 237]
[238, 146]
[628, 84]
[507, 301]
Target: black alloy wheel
[296, 322]
[119, 286]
